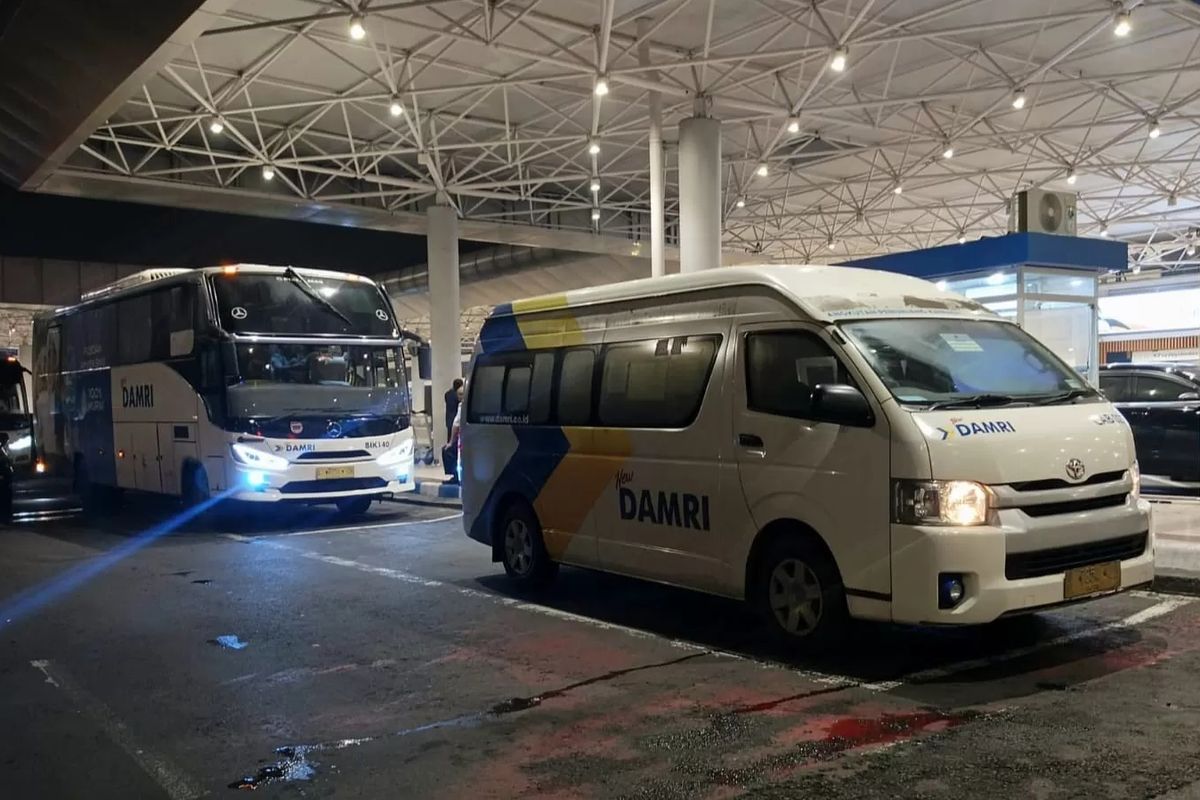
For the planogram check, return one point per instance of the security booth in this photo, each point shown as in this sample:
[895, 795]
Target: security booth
[1048, 284]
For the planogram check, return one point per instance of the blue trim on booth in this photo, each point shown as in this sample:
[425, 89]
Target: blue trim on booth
[1037, 249]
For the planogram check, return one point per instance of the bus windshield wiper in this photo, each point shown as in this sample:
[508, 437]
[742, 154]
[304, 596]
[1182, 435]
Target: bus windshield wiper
[1064, 397]
[307, 288]
[973, 401]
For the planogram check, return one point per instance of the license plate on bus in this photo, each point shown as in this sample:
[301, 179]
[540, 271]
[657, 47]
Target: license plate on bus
[329, 473]
[1092, 579]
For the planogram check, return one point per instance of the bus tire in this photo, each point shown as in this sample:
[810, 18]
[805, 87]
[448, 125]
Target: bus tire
[354, 506]
[522, 549]
[798, 591]
[93, 497]
[194, 490]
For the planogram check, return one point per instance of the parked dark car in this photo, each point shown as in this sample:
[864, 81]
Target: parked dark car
[1162, 404]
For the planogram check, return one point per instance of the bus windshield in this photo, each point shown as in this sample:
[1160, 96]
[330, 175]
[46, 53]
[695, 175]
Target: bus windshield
[295, 303]
[934, 361]
[356, 380]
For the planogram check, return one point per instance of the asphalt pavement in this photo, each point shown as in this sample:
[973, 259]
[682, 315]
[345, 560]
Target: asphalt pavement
[296, 654]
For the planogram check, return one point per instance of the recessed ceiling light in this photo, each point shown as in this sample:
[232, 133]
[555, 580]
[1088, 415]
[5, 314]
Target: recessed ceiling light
[838, 62]
[357, 29]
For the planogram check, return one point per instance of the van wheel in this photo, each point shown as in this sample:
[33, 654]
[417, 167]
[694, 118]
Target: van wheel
[354, 506]
[522, 548]
[799, 592]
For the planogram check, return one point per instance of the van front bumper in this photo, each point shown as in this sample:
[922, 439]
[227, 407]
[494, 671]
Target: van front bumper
[920, 554]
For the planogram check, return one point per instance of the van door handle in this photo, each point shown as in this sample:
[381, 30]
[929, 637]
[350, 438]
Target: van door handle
[750, 440]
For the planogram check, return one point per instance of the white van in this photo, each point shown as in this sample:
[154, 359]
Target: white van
[822, 441]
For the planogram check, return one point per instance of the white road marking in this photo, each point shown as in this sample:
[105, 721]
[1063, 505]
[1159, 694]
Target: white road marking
[1164, 606]
[314, 531]
[177, 784]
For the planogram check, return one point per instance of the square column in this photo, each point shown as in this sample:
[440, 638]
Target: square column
[445, 313]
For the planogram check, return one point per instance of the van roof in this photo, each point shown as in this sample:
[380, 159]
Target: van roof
[825, 293]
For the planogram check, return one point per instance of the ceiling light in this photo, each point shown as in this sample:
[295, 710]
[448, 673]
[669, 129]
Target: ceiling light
[948, 149]
[832, 243]
[1191, 249]
[793, 126]
[838, 62]
[1071, 176]
[741, 202]
[1155, 130]
[1019, 99]
[268, 172]
[595, 215]
[762, 170]
[962, 238]
[357, 30]
[595, 186]
[1104, 229]
[396, 108]
[601, 87]
[898, 189]
[1121, 26]
[216, 126]
[594, 148]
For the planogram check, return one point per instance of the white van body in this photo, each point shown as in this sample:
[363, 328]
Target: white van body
[691, 499]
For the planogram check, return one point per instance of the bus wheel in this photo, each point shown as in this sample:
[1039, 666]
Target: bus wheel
[800, 594]
[93, 497]
[195, 485]
[354, 506]
[522, 548]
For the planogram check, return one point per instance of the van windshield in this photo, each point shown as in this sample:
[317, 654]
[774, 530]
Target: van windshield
[937, 361]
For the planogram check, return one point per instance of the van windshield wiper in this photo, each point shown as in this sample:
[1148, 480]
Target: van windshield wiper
[974, 401]
[307, 288]
[1064, 397]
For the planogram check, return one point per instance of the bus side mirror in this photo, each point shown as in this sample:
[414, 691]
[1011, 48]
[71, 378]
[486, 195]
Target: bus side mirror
[841, 404]
[424, 362]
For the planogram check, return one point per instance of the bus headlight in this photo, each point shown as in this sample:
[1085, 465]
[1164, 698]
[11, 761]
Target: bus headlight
[21, 444]
[253, 457]
[940, 503]
[397, 455]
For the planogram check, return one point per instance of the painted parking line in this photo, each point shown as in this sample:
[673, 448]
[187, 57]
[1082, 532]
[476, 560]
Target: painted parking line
[314, 531]
[177, 784]
[1163, 606]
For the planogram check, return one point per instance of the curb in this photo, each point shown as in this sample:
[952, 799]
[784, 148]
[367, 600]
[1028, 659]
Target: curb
[440, 489]
[1187, 583]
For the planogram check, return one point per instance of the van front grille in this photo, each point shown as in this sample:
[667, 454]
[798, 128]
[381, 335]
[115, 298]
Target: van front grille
[1039, 563]
[1059, 483]
[1073, 506]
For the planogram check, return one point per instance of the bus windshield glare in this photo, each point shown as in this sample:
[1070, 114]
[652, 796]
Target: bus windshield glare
[284, 304]
[927, 361]
[278, 379]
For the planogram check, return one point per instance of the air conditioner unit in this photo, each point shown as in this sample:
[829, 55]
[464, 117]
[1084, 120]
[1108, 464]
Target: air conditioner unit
[1039, 211]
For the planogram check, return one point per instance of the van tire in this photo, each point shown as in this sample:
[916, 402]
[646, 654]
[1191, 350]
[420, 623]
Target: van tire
[798, 590]
[522, 549]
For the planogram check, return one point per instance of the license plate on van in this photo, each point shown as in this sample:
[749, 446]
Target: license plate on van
[1092, 579]
[328, 473]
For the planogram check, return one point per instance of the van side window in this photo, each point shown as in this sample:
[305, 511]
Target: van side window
[575, 387]
[512, 388]
[783, 367]
[656, 383]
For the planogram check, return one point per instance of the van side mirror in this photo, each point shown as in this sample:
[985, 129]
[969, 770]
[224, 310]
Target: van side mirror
[841, 404]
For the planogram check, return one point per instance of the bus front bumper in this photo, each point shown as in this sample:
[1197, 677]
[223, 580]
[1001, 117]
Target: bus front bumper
[983, 558]
[256, 486]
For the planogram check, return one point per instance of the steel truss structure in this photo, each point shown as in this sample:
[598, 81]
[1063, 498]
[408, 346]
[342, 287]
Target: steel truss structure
[493, 105]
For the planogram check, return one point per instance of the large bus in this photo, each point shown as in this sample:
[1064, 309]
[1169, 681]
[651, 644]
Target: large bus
[823, 442]
[254, 383]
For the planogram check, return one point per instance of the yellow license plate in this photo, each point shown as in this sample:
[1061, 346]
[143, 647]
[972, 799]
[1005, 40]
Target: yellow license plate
[326, 473]
[1092, 579]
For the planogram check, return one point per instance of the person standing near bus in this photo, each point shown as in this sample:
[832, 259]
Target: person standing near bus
[453, 398]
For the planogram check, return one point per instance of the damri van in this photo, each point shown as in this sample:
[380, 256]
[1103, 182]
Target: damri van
[823, 442]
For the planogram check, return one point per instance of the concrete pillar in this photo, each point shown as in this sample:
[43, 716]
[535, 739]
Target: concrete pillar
[699, 194]
[657, 170]
[444, 311]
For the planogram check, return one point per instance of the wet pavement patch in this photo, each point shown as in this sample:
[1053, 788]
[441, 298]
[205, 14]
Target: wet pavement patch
[292, 765]
[229, 641]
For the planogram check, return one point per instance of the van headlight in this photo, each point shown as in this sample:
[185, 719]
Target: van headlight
[253, 457]
[1135, 475]
[941, 503]
[401, 453]
[22, 443]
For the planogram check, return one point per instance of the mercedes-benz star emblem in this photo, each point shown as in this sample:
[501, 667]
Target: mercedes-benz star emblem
[237, 312]
[1075, 469]
[335, 430]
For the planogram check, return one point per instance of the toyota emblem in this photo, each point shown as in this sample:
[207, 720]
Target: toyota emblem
[296, 427]
[335, 430]
[1075, 469]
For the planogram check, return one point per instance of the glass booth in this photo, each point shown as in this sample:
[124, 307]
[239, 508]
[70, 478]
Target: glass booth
[1055, 304]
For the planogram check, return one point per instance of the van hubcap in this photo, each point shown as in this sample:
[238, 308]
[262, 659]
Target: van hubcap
[518, 546]
[794, 594]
